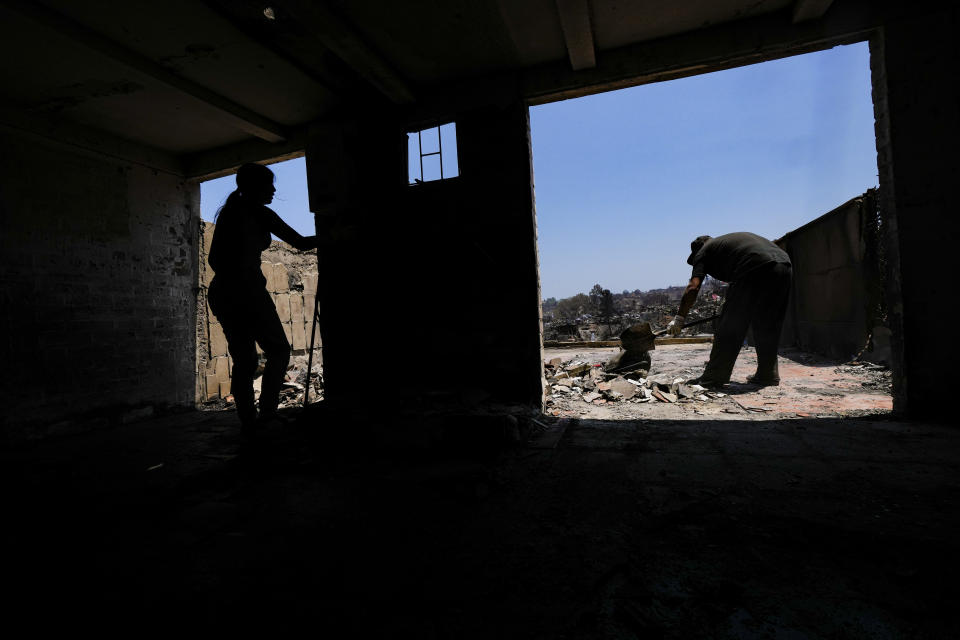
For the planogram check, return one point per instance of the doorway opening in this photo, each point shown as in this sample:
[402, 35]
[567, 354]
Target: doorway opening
[291, 279]
[626, 180]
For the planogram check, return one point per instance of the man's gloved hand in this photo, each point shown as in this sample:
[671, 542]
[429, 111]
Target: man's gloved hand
[675, 326]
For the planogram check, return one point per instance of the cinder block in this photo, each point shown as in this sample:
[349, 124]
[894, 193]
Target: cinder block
[224, 389]
[218, 341]
[309, 283]
[299, 336]
[287, 331]
[308, 306]
[307, 330]
[208, 229]
[222, 369]
[213, 387]
[281, 280]
[296, 308]
[266, 269]
[283, 302]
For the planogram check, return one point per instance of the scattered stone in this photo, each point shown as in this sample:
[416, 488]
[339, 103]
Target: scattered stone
[590, 397]
[623, 387]
[577, 368]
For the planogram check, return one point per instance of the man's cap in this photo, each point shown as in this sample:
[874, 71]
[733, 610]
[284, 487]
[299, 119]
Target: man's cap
[695, 247]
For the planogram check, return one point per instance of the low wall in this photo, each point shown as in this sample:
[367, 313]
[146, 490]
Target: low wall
[292, 282]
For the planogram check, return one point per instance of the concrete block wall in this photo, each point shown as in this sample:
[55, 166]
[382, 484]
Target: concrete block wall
[98, 275]
[292, 282]
[914, 63]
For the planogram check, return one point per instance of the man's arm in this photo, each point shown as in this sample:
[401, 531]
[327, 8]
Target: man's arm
[689, 296]
[686, 302]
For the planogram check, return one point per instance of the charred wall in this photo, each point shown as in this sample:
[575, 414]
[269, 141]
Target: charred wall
[98, 275]
[438, 256]
[917, 106]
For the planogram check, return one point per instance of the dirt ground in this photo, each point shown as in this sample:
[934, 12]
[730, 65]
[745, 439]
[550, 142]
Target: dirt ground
[810, 386]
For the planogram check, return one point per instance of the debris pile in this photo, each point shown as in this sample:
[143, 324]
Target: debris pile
[877, 376]
[596, 383]
[294, 385]
[295, 382]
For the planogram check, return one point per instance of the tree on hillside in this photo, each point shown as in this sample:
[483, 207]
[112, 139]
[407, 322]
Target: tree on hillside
[596, 300]
[606, 305]
[572, 307]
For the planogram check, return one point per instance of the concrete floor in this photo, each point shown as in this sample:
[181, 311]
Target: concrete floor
[801, 528]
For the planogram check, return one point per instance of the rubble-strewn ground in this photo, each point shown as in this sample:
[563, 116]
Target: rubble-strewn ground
[293, 391]
[810, 386]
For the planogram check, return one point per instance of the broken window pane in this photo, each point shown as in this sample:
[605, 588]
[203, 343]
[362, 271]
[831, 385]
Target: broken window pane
[448, 139]
[413, 158]
[431, 168]
[430, 140]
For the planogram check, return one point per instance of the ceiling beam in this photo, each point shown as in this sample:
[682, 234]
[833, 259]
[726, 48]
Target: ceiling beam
[577, 33]
[87, 140]
[343, 40]
[810, 9]
[733, 44]
[213, 163]
[229, 111]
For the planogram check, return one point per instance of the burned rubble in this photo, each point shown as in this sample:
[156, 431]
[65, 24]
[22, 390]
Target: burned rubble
[294, 385]
[592, 383]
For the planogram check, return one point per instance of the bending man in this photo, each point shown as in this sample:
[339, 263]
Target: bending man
[759, 274]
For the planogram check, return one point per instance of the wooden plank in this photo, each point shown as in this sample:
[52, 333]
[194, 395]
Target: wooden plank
[810, 9]
[577, 33]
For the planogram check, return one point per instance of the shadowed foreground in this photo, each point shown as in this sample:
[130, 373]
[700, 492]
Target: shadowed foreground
[799, 528]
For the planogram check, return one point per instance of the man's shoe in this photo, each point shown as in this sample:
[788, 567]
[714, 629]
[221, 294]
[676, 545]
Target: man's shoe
[709, 383]
[763, 382]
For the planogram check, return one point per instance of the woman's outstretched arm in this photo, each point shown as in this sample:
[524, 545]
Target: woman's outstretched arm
[288, 234]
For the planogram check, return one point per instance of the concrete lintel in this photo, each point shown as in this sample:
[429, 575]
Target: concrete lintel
[231, 112]
[87, 140]
[577, 33]
[764, 37]
[206, 165]
[810, 9]
[341, 38]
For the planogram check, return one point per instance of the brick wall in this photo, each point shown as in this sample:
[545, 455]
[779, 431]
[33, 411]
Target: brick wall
[97, 275]
[292, 282]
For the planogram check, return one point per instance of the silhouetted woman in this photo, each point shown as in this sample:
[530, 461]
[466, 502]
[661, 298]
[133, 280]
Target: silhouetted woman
[238, 293]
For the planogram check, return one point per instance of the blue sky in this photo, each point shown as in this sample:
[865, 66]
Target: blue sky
[290, 201]
[624, 180]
